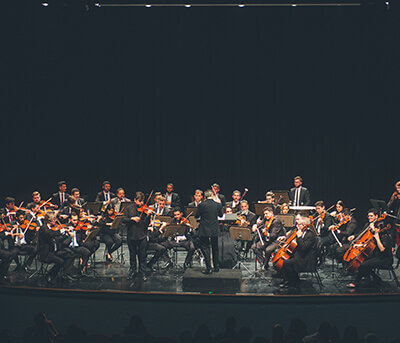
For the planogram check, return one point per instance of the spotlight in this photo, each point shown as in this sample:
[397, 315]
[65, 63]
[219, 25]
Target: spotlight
[148, 6]
[45, 4]
[188, 6]
[294, 5]
[240, 6]
[97, 4]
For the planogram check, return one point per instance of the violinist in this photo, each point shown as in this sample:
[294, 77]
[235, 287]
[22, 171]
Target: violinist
[394, 210]
[337, 215]
[268, 229]
[6, 256]
[137, 223]
[183, 241]
[161, 209]
[381, 256]
[51, 249]
[9, 210]
[119, 199]
[172, 199]
[106, 194]
[285, 209]
[77, 196]
[36, 199]
[235, 203]
[250, 219]
[197, 198]
[61, 196]
[304, 256]
[217, 196]
[154, 243]
[109, 236]
[322, 225]
[345, 232]
[299, 195]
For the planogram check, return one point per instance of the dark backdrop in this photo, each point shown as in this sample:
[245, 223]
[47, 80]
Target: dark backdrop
[246, 97]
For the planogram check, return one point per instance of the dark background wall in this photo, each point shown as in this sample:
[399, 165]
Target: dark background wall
[245, 97]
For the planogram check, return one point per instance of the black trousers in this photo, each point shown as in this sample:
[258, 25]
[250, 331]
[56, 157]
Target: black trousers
[205, 243]
[187, 244]
[112, 240]
[6, 256]
[61, 258]
[264, 252]
[82, 253]
[92, 245]
[160, 251]
[289, 270]
[137, 248]
[27, 250]
[368, 265]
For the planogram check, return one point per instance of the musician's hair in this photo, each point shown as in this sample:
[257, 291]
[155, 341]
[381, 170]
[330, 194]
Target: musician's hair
[268, 208]
[346, 211]
[106, 183]
[177, 209]
[48, 217]
[60, 183]
[208, 193]
[374, 211]
[340, 202]
[9, 200]
[305, 221]
[397, 184]
[298, 178]
[170, 184]
[71, 199]
[139, 196]
[119, 189]
[35, 193]
[270, 194]
[198, 191]
[216, 185]
[20, 213]
[320, 204]
[161, 198]
[32, 205]
[73, 190]
[244, 202]
[236, 191]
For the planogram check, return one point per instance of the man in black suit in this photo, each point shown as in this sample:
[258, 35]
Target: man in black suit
[77, 195]
[119, 199]
[105, 194]
[250, 218]
[172, 199]
[61, 196]
[235, 203]
[323, 223]
[304, 257]
[208, 212]
[197, 198]
[218, 197]
[136, 225]
[299, 195]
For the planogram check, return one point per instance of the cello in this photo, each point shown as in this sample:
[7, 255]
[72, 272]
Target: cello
[286, 250]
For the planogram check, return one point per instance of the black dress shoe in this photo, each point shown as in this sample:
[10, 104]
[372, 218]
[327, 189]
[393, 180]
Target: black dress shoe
[207, 271]
[216, 269]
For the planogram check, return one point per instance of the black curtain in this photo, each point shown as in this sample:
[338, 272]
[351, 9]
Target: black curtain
[246, 97]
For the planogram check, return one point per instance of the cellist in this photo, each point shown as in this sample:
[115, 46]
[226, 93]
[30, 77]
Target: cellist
[381, 256]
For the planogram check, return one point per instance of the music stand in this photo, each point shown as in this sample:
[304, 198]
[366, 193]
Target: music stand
[189, 209]
[124, 205]
[283, 195]
[193, 221]
[116, 222]
[286, 219]
[259, 208]
[165, 219]
[172, 230]
[94, 207]
[240, 234]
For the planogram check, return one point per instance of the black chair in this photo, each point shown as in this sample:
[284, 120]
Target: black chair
[312, 269]
[391, 273]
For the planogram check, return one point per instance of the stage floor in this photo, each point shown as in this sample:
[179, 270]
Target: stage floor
[113, 277]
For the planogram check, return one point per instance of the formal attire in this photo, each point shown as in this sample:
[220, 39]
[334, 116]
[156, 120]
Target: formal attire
[59, 199]
[300, 196]
[174, 199]
[234, 205]
[104, 196]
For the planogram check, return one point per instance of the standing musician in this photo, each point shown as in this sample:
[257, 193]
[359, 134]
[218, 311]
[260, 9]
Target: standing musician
[304, 255]
[109, 236]
[183, 241]
[197, 198]
[394, 210]
[270, 201]
[322, 225]
[381, 256]
[61, 196]
[51, 250]
[217, 196]
[172, 199]
[9, 212]
[299, 195]
[105, 194]
[345, 233]
[269, 230]
[119, 199]
[235, 203]
[137, 222]
[249, 219]
[77, 196]
[208, 212]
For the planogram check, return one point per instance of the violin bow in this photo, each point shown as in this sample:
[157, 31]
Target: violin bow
[45, 203]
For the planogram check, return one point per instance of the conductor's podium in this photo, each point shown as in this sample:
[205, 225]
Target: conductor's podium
[225, 281]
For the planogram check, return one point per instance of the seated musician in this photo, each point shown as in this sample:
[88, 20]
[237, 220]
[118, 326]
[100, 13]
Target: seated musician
[270, 201]
[75, 192]
[322, 225]
[109, 236]
[248, 219]
[154, 243]
[87, 238]
[299, 195]
[172, 199]
[119, 199]
[269, 228]
[183, 241]
[67, 209]
[37, 199]
[76, 245]
[162, 209]
[51, 249]
[61, 196]
[337, 214]
[381, 256]
[6, 256]
[304, 257]
[197, 198]
[285, 208]
[106, 194]
[345, 233]
[235, 203]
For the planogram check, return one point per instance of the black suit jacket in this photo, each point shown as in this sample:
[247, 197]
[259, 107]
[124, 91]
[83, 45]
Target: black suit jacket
[305, 199]
[230, 204]
[100, 196]
[324, 229]
[250, 217]
[48, 239]
[208, 212]
[55, 199]
[135, 231]
[305, 254]
[193, 204]
[175, 200]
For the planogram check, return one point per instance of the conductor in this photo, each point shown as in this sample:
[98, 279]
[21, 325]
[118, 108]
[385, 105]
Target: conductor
[208, 212]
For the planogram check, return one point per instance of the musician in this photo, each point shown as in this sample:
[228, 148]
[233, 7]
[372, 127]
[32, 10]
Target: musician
[322, 224]
[36, 198]
[299, 195]
[172, 199]
[119, 199]
[24, 243]
[9, 210]
[77, 195]
[217, 196]
[105, 194]
[394, 210]
[50, 249]
[136, 225]
[382, 256]
[270, 201]
[108, 235]
[345, 233]
[304, 257]
[69, 207]
[155, 239]
[337, 215]
[161, 209]
[197, 198]
[61, 196]
[270, 228]
[208, 212]
[285, 209]
[6, 256]
[235, 203]
[250, 219]
[87, 238]
[183, 241]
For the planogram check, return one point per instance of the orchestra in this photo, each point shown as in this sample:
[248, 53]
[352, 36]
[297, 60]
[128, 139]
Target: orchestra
[65, 232]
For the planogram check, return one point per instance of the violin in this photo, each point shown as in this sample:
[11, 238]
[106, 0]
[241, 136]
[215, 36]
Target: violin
[83, 226]
[146, 209]
[342, 222]
[46, 204]
[5, 227]
[362, 246]
[241, 220]
[28, 225]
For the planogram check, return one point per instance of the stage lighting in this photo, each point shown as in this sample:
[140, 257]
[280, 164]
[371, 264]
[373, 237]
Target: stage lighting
[148, 6]
[45, 4]
[97, 4]
[188, 6]
[240, 6]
